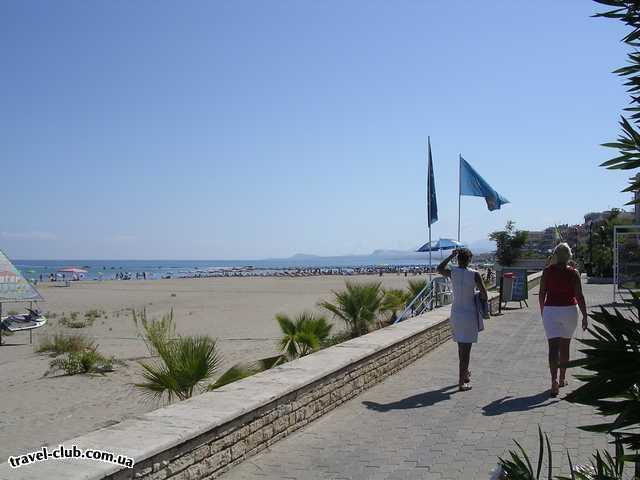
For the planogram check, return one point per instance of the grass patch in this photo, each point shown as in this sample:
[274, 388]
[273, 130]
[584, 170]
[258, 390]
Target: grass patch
[59, 344]
[86, 361]
[74, 320]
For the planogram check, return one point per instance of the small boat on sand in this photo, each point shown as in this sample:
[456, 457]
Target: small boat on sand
[26, 321]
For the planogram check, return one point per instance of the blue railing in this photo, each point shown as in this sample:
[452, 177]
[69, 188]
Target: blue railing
[433, 294]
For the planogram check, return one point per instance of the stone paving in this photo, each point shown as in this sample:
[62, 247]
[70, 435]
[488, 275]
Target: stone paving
[416, 425]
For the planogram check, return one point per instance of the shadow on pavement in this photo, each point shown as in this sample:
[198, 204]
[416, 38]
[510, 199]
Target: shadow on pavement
[519, 404]
[425, 399]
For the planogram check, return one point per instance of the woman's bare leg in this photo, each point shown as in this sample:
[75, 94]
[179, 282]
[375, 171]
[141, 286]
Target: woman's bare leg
[464, 355]
[565, 344]
[554, 360]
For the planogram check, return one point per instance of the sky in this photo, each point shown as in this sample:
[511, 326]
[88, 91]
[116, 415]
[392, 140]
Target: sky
[251, 129]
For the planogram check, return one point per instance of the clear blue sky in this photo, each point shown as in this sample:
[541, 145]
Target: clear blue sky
[252, 129]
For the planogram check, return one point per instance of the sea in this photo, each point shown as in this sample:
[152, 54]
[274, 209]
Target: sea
[156, 269]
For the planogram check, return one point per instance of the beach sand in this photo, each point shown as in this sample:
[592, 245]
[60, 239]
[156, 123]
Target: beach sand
[239, 312]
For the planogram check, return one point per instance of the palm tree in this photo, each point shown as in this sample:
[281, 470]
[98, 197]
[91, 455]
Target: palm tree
[394, 299]
[357, 306]
[182, 364]
[303, 335]
[246, 369]
[612, 379]
[415, 287]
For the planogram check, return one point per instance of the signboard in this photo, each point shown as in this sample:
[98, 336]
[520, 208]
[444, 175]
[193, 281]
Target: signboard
[13, 286]
[520, 287]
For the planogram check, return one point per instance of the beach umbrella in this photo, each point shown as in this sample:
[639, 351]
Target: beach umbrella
[441, 244]
[72, 270]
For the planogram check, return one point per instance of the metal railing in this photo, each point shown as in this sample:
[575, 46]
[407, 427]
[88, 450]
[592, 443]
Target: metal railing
[435, 293]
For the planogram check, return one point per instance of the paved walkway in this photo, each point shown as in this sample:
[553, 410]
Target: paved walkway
[415, 425]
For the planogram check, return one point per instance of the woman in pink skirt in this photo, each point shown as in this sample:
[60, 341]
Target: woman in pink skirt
[560, 296]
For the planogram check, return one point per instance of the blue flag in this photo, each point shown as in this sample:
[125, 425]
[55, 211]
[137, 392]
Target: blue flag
[471, 183]
[432, 204]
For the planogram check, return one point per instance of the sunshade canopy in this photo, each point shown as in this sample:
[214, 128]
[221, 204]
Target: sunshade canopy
[441, 244]
[72, 270]
[13, 286]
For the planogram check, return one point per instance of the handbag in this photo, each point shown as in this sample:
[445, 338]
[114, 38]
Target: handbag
[482, 310]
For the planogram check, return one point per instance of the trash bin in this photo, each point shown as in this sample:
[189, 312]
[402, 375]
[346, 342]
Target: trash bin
[507, 285]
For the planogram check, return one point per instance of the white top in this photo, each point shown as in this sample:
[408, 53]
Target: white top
[464, 316]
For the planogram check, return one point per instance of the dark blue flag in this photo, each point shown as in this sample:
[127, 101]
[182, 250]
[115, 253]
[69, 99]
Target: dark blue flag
[471, 183]
[432, 204]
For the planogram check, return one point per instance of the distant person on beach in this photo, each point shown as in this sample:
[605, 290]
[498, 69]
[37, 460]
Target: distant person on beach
[464, 313]
[560, 296]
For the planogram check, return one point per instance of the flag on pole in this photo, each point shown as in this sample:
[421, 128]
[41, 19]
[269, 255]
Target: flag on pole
[471, 183]
[432, 204]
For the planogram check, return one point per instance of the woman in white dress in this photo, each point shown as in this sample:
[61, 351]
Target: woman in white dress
[464, 313]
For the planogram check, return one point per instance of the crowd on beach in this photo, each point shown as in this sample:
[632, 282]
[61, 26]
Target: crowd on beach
[406, 270]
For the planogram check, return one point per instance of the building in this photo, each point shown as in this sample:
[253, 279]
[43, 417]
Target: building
[543, 241]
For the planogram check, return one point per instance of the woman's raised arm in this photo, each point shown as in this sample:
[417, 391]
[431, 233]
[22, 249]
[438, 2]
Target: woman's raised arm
[442, 268]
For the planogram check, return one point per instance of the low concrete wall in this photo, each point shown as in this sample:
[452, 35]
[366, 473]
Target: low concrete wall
[206, 435]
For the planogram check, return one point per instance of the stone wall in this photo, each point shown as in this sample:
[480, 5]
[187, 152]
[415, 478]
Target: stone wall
[211, 454]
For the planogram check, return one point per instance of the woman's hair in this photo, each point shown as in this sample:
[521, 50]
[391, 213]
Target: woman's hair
[562, 253]
[464, 256]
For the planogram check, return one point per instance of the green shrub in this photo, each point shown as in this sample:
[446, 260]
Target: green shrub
[74, 320]
[59, 344]
[86, 361]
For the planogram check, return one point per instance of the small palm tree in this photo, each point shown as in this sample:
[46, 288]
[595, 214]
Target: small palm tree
[182, 363]
[246, 369]
[394, 299]
[357, 306]
[415, 287]
[303, 335]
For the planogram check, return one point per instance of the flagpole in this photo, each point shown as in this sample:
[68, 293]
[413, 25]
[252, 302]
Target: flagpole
[429, 208]
[459, 189]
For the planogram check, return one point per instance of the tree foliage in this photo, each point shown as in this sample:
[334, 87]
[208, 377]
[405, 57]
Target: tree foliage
[612, 360]
[628, 142]
[509, 243]
[596, 253]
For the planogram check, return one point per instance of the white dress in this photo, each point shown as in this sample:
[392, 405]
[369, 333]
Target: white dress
[464, 315]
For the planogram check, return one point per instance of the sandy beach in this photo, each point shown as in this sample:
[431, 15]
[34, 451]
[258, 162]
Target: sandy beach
[239, 312]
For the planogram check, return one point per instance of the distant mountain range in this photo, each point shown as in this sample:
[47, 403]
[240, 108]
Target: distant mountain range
[477, 247]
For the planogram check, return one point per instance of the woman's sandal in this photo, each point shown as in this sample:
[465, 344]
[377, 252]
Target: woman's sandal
[464, 387]
[467, 379]
[563, 383]
[555, 389]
